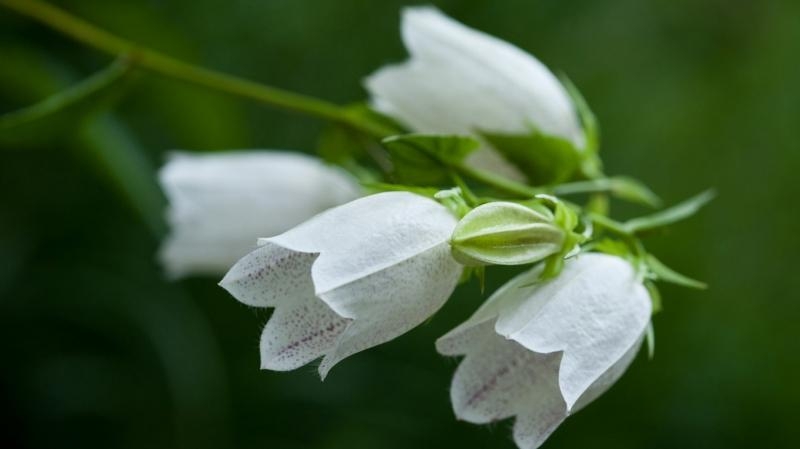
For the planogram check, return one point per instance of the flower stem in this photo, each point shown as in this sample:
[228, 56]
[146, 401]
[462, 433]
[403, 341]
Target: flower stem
[505, 185]
[154, 61]
[498, 182]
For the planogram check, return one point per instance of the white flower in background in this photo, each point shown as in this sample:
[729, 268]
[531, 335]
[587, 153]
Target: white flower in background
[220, 204]
[541, 351]
[348, 279]
[460, 80]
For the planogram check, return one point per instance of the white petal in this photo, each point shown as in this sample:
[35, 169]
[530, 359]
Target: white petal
[459, 79]
[366, 272]
[594, 312]
[610, 377]
[221, 203]
[384, 263]
[501, 378]
[390, 302]
[270, 276]
[368, 235]
[502, 375]
[298, 333]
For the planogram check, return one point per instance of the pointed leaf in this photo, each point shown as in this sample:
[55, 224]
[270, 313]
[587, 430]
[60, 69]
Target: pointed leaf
[635, 191]
[670, 215]
[667, 274]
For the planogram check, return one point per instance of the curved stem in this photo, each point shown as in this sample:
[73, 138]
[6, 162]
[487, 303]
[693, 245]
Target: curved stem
[84, 32]
[154, 61]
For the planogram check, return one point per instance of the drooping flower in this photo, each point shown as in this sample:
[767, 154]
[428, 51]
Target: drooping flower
[540, 351]
[219, 204]
[348, 279]
[460, 81]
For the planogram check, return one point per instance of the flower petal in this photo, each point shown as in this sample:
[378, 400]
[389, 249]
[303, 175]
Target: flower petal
[271, 276]
[298, 333]
[390, 302]
[221, 203]
[610, 377]
[367, 236]
[594, 312]
[460, 79]
[364, 273]
[500, 378]
[503, 376]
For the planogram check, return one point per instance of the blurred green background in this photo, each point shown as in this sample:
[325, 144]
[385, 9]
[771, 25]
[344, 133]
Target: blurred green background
[99, 350]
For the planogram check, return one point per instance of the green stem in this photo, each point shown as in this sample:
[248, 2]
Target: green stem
[599, 185]
[590, 186]
[498, 182]
[154, 61]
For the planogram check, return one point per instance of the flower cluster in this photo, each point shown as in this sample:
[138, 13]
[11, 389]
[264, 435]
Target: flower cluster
[484, 144]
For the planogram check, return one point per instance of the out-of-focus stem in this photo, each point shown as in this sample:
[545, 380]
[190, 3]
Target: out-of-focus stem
[154, 61]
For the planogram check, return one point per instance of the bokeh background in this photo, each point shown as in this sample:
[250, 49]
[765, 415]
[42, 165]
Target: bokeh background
[100, 350]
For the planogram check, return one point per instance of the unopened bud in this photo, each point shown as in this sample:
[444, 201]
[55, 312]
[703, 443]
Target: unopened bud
[504, 233]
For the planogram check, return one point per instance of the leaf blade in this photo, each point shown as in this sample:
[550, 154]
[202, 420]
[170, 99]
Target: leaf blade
[670, 215]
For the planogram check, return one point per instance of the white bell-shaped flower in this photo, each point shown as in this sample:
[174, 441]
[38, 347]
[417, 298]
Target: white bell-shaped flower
[459, 80]
[348, 279]
[219, 204]
[542, 350]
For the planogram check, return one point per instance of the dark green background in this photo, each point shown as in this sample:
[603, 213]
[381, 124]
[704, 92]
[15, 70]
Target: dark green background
[100, 351]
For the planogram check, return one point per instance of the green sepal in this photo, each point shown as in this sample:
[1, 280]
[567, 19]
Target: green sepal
[670, 215]
[478, 272]
[453, 199]
[60, 114]
[537, 206]
[566, 219]
[421, 159]
[542, 158]
[613, 247]
[655, 296]
[664, 273]
[650, 336]
[591, 128]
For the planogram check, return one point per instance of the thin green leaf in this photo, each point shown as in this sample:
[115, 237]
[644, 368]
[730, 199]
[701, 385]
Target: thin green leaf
[541, 158]
[667, 274]
[670, 215]
[61, 113]
[621, 187]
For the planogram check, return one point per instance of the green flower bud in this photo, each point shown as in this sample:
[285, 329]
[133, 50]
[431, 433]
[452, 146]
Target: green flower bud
[503, 233]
